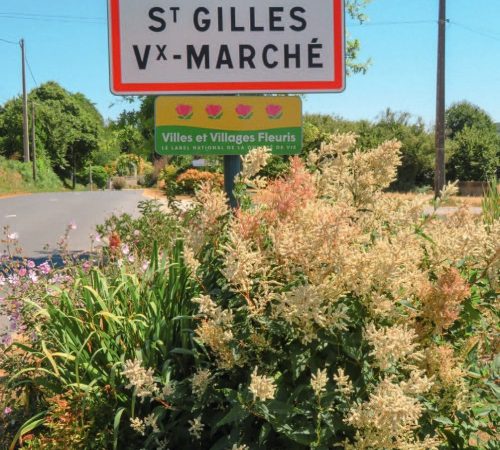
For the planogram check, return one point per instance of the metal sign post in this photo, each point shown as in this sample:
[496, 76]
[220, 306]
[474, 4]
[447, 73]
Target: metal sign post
[232, 167]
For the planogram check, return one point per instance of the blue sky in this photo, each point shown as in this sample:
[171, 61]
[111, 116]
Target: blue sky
[400, 38]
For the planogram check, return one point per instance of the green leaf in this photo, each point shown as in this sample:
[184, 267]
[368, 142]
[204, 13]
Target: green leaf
[236, 414]
[182, 351]
[116, 426]
[443, 420]
[28, 426]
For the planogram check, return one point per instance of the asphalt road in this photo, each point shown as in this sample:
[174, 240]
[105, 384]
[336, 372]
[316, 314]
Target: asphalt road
[41, 219]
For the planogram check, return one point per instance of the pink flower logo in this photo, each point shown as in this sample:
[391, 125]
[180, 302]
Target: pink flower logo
[274, 111]
[244, 111]
[214, 111]
[184, 112]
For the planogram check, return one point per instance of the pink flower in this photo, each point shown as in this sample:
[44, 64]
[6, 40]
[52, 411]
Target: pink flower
[274, 111]
[86, 266]
[45, 268]
[72, 225]
[243, 110]
[7, 411]
[214, 111]
[31, 264]
[6, 340]
[184, 111]
[22, 271]
[125, 249]
[33, 276]
[13, 280]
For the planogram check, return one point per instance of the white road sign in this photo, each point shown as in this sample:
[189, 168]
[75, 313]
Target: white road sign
[188, 46]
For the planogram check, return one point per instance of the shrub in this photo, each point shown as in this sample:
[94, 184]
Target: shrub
[119, 183]
[323, 315]
[99, 176]
[191, 179]
[168, 176]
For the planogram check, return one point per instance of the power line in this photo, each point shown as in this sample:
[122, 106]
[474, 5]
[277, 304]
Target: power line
[55, 16]
[476, 31]
[31, 72]
[9, 42]
[52, 18]
[381, 24]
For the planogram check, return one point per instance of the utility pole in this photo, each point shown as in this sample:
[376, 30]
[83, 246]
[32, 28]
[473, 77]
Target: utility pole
[26, 142]
[439, 176]
[33, 139]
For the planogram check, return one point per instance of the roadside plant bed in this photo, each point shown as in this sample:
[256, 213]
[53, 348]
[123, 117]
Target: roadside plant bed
[321, 314]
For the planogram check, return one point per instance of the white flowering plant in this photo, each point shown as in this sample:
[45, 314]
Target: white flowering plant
[322, 313]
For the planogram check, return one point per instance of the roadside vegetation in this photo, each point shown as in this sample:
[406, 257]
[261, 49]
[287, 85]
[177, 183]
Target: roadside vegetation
[319, 314]
[77, 145]
[17, 177]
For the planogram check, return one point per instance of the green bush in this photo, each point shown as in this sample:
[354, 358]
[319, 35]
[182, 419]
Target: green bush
[325, 315]
[99, 176]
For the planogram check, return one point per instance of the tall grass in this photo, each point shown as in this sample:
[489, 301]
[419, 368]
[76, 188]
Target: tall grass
[491, 202]
[89, 331]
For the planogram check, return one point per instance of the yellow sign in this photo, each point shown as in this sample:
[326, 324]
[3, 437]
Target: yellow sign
[227, 125]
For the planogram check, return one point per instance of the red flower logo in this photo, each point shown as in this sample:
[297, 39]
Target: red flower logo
[184, 112]
[274, 111]
[244, 111]
[214, 111]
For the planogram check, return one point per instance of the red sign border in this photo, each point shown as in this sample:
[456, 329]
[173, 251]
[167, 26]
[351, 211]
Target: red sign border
[118, 87]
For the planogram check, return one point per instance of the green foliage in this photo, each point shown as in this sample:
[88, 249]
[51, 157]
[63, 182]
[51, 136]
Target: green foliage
[474, 143]
[417, 147]
[99, 176]
[141, 233]
[108, 150]
[91, 330]
[463, 115]
[129, 140]
[169, 176]
[68, 127]
[277, 166]
[475, 155]
[491, 202]
[16, 176]
[302, 322]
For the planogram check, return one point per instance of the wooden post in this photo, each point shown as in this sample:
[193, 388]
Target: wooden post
[440, 176]
[33, 139]
[26, 142]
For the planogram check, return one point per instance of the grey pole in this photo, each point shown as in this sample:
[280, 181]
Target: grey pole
[33, 139]
[440, 176]
[232, 167]
[26, 141]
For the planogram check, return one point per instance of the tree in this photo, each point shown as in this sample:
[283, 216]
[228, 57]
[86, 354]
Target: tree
[464, 114]
[355, 10]
[68, 127]
[474, 144]
[475, 155]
